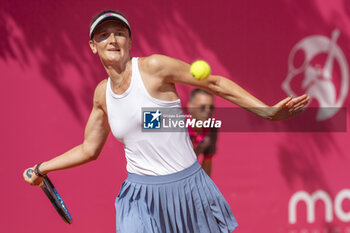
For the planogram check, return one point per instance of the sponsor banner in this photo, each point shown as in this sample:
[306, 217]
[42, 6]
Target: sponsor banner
[306, 210]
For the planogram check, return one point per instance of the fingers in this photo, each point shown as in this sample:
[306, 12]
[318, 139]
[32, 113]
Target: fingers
[296, 111]
[289, 107]
[284, 101]
[299, 109]
[34, 180]
[25, 174]
[300, 104]
[298, 101]
[25, 177]
[301, 98]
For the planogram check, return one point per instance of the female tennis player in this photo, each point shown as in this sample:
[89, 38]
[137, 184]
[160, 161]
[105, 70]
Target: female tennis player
[166, 190]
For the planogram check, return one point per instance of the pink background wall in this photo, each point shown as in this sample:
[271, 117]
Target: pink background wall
[48, 76]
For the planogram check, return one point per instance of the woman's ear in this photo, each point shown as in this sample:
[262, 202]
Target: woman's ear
[93, 46]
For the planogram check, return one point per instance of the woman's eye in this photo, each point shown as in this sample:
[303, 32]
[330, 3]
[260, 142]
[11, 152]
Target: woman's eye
[120, 33]
[103, 35]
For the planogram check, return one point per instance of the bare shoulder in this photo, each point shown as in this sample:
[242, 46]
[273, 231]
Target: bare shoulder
[158, 64]
[100, 94]
[152, 64]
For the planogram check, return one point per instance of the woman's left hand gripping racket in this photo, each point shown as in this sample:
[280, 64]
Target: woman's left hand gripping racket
[54, 197]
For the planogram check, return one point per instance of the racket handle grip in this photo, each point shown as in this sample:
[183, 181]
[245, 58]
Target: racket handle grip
[29, 172]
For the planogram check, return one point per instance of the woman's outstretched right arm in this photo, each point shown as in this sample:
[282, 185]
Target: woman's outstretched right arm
[96, 133]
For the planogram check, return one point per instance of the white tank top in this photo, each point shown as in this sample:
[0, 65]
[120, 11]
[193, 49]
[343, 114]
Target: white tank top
[147, 153]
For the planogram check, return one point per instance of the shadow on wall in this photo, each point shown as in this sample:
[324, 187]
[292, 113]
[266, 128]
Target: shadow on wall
[54, 37]
[245, 40]
[50, 39]
[300, 158]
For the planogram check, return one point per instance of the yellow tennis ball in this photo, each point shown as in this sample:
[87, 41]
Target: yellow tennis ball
[200, 70]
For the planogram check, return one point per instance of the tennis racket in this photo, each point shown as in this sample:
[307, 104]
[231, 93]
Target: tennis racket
[54, 197]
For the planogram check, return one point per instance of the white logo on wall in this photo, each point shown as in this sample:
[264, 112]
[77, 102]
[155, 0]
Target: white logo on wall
[310, 201]
[317, 79]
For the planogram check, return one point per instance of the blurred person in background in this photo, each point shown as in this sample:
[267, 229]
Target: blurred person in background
[201, 106]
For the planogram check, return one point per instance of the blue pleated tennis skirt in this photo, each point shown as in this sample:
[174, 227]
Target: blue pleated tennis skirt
[187, 201]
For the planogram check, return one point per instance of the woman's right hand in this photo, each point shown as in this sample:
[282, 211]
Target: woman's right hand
[34, 180]
[289, 107]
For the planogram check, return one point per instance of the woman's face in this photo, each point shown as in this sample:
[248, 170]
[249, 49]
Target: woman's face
[111, 41]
